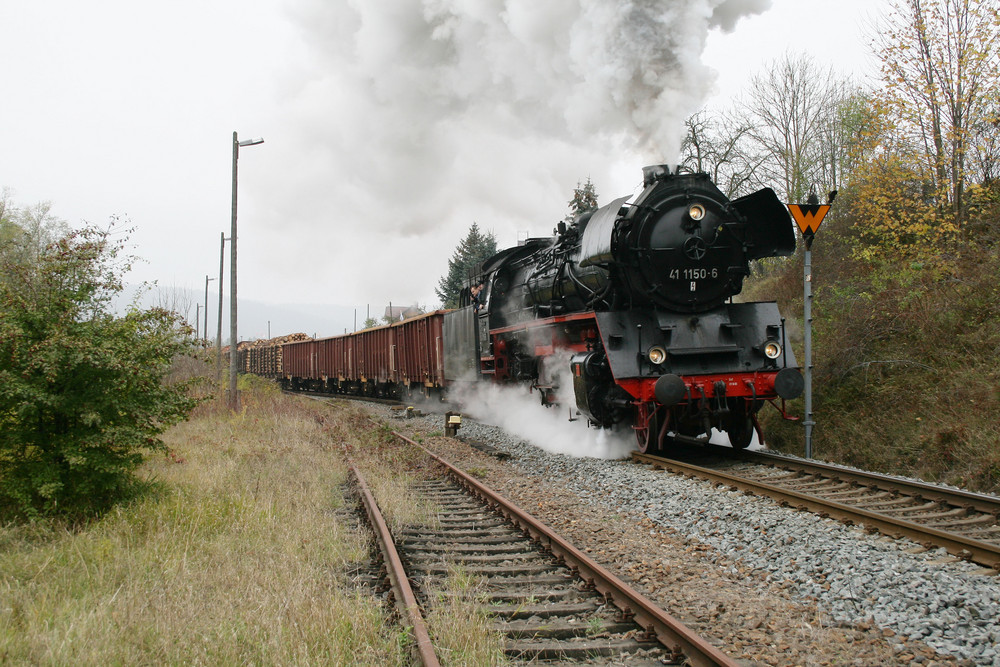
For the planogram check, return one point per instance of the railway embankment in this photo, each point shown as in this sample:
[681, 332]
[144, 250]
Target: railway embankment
[905, 355]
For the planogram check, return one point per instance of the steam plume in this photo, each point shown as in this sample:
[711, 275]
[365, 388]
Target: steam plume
[408, 120]
[625, 73]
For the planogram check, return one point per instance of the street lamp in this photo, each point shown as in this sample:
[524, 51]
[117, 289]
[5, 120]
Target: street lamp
[234, 401]
[218, 335]
[207, 280]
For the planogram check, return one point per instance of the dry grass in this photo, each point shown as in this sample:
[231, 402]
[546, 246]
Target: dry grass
[241, 554]
[389, 468]
[460, 624]
[241, 558]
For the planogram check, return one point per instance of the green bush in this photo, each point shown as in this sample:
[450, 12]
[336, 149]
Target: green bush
[82, 391]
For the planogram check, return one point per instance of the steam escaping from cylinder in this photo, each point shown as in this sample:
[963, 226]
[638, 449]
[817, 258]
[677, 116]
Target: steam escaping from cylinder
[520, 412]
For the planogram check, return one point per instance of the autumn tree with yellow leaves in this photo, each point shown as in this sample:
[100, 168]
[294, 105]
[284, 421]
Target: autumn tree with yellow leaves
[935, 130]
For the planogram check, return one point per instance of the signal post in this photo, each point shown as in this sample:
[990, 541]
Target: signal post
[809, 217]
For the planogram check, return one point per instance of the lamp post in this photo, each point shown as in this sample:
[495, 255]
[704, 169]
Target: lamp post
[234, 401]
[207, 280]
[218, 336]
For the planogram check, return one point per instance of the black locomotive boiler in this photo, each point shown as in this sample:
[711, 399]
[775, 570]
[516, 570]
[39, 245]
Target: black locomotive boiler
[637, 299]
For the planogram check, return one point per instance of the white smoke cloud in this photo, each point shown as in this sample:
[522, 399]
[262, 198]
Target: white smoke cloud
[408, 120]
[727, 13]
[624, 74]
[520, 412]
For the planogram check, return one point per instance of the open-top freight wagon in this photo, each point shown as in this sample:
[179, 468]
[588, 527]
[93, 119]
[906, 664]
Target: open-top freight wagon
[397, 360]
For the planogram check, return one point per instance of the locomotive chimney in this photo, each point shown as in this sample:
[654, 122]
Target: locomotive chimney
[653, 173]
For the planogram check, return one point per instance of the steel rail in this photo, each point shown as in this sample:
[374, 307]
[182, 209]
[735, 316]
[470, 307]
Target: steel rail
[981, 552]
[406, 601]
[977, 501]
[655, 621]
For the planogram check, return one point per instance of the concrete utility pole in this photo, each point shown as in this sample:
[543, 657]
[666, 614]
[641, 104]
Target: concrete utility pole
[234, 399]
[207, 279]
[218, 337]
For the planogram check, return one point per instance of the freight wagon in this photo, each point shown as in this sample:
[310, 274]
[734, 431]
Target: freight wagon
[396, 360]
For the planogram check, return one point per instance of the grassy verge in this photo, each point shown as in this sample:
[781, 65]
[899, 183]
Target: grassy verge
[389, 469]
[460, 623]
[240, 557]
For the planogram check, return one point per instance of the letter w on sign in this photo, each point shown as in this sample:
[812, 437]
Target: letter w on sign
[808, 216]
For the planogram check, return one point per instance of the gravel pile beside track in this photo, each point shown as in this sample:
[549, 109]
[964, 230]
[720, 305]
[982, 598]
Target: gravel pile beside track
[740, 556]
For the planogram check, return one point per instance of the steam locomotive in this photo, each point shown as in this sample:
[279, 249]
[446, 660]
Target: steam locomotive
[635, 299]
[640, 297]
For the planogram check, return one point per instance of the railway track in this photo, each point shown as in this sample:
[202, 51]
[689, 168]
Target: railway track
[318, 395]
[966, 524]
[549, 600]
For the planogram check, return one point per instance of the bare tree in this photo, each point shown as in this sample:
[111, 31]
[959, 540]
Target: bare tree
[25, 232]
[9, 231]
[6, 204]
[788, 106]
[716, 144]
[41, 227]
[985, 144]
[843, 125]
[175, 300]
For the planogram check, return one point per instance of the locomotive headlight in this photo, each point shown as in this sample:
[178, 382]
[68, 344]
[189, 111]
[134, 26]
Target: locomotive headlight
[696, 211]
[772, 350]
[657, 355]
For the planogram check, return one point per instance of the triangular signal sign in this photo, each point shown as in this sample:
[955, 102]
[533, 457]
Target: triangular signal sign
[808, 216]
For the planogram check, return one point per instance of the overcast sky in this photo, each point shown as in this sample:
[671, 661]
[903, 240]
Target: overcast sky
[389, 125]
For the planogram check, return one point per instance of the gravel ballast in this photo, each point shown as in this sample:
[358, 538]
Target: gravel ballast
[877, 587]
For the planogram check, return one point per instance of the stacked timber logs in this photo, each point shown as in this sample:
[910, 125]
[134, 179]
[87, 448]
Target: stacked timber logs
[263, 357]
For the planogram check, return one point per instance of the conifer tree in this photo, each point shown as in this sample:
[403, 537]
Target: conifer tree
[472, 250]
[584, 199]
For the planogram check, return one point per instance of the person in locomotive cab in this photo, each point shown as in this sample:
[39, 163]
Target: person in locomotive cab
[475, 292]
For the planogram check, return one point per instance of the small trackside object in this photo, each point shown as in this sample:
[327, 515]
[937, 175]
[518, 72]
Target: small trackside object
[452, 422]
